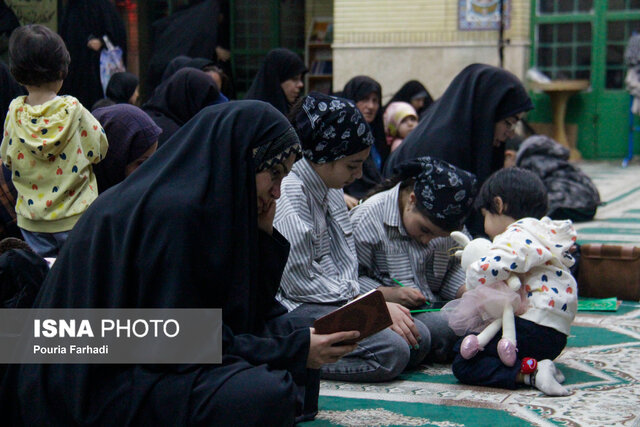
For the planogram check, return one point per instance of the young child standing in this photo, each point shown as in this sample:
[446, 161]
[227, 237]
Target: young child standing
[322, 269]
[49, 143]
[403, 244]
[537, 251]
[400, 118]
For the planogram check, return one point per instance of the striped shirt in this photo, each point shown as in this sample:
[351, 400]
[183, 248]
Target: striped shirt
[322, 265]
[386, 251]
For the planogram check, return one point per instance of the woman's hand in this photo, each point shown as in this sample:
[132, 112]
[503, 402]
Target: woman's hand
[408, 297]
[265, 218]
[94, 44]
[322, 348]
[403, 324]
[351, 202]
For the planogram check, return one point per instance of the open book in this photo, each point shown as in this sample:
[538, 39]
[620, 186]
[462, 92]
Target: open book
[368, 314]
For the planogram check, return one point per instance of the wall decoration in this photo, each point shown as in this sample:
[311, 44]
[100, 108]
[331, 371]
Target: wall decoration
[476, 15]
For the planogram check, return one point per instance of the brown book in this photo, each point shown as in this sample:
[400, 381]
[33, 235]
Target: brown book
[367, 314]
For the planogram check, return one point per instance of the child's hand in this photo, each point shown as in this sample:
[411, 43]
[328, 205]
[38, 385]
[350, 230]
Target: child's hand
[403, 324]
[325, 349]
[408, 297]
[351, 202]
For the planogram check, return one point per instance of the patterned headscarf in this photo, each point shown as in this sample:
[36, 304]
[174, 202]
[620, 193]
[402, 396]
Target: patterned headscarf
[268, 155]
[330, 128]
[444, 192]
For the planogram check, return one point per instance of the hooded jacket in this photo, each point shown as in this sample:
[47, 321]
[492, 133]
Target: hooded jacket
[50, 149]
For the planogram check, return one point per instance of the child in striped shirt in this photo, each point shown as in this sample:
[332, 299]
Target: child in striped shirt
[322, 270]
[403, 244]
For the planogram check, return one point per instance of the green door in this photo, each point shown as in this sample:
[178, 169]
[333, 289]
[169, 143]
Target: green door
[256, 28]
[585, 39]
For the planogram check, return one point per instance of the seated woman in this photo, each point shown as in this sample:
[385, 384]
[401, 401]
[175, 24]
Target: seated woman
[366, 93]
[279, 80]
[468, 125]
[414, 93]
[133, 138]
[403, 244]
[181, 97]
[192, 230]
[322, 270]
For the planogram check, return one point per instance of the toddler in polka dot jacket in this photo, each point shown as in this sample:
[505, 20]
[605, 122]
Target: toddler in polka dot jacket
[538, 253]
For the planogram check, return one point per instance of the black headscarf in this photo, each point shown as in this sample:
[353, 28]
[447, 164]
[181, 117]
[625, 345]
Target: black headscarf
[411, 90]
[192, 32]
[357, 89]
[181, 234]
[180, 62]
[121, 87]
[178, 99]
[278, 66]
[130, 132]
[9, 89]
[459, 127]
[83, 20]
[330, 128]
[443, 192]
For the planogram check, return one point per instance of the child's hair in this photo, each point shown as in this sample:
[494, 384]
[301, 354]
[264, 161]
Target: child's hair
[522, 192]
[37, 55]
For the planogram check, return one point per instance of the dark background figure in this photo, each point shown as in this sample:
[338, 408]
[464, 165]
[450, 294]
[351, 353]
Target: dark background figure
[468, 125]
[413, 92]
[280, 67]
[83, 24]
[8, 198]
[133, 138]
[9, 90]
[8, 23]
[123, 88]
[366, 93]
[178, 99]
[572, 194]
[192, 32]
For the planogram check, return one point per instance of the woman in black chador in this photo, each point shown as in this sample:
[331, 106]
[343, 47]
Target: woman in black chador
[83, 24]
[413, 92]
[279, 79]
[468, 125]
[190, 228]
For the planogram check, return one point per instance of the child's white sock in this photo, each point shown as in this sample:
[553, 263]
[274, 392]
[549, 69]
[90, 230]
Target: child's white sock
[547, 378]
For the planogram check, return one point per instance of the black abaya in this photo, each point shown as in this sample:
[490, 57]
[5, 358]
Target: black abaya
[178, 99]
[410, 90]
[82, 21]
[357, 89]
[459, 127]
[180, 232]
[278, 66]
[192, 32]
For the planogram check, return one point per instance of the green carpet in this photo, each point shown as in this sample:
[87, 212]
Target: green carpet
[600, 364]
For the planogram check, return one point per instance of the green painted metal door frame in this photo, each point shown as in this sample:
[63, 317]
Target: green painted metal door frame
[602, 114]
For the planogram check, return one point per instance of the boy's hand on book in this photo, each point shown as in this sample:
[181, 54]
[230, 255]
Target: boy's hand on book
[403, 323]
[408, 297]
[325, 349]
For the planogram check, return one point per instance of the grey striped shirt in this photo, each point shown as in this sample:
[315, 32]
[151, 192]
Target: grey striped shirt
[322, 265]
[385, 251]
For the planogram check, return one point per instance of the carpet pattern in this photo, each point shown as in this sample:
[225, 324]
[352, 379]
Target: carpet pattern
[601, 362]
